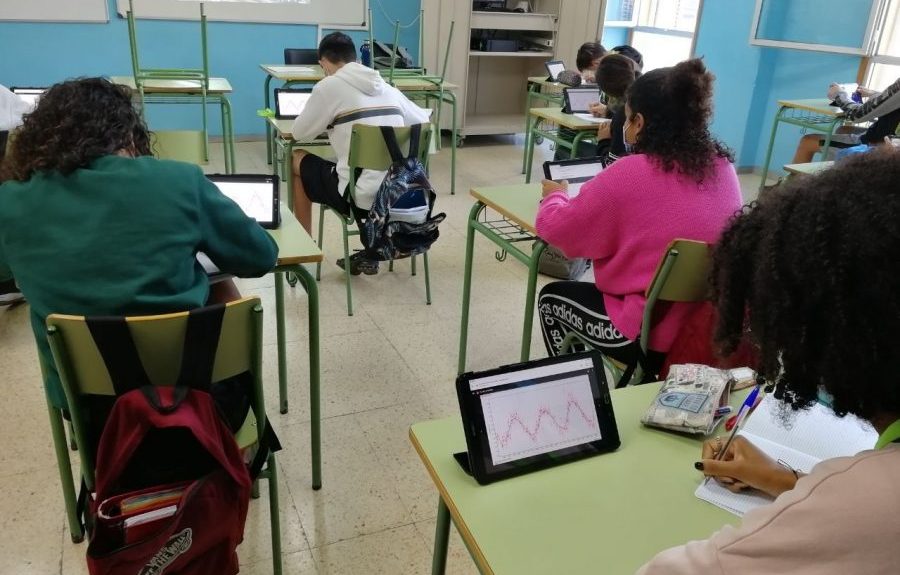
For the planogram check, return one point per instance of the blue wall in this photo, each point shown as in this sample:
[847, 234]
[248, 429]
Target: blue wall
[37, 54]
[751, 79]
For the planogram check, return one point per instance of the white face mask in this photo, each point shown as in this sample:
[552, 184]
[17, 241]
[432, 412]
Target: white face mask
[629, 147]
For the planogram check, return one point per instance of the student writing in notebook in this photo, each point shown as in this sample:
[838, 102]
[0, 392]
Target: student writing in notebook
[810, 274]
[350, 94]
[678, 183]
[92, 224]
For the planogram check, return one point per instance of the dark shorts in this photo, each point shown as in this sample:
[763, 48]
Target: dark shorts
[320, 181]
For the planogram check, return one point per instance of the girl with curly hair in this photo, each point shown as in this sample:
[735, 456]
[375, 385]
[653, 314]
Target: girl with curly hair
[810, 275]
[678, 182]
[92, 224]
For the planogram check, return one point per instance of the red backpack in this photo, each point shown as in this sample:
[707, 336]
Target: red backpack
[172, 487]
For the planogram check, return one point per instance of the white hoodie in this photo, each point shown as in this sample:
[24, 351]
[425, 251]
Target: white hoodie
[352, 89]
[12, 108]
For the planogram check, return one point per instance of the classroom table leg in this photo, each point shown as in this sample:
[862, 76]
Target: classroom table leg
[576, 141]
[266, 87]
[312, 293]
[536, 252]
[467, 285]
[441, 539]
[280, 335]
[529, 146]
[529, 96]
[768, 160]
[228, 136]
[451, 97]
[827, 143]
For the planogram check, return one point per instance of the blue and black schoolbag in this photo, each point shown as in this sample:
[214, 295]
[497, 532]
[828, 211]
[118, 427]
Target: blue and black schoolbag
[400, 223]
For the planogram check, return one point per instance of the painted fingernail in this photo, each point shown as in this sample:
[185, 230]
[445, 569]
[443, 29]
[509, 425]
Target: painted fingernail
[698, 466]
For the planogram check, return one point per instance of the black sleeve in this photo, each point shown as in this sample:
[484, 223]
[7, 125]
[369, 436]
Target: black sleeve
[885, 125]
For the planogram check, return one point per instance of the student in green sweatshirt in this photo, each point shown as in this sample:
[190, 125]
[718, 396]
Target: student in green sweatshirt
[92, 224]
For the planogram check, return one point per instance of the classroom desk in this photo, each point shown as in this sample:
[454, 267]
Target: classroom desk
[817, 115]
[517, 206]
[289, 75]
[535, 91]
[809, 169]
[605, 514]
[295, 248]
[283, 139]
[189, 91]
[583, 129]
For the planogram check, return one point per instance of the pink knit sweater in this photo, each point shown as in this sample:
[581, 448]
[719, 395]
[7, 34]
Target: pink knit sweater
[625, 218]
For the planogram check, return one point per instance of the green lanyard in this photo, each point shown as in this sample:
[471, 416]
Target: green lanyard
[890, 435]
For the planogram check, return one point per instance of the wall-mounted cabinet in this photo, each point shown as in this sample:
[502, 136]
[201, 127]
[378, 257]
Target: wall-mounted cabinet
[494, 52]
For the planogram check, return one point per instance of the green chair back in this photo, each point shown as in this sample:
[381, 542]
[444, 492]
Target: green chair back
[159, 340]
[368, 150]
[181, 145]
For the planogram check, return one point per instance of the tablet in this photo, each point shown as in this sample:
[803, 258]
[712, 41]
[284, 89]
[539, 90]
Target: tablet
[30, 95]
[579, 100]
[290, 102]
[530, 416]
[256, 194]
[554, 67]
[576, 172]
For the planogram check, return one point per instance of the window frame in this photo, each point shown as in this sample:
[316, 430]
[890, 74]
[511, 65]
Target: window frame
[876, 16]
[633, 25]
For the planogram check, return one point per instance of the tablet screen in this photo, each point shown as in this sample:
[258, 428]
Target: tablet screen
[256, 197]
[554, 68]
[291, 103]
[30, 95]
[576, 172]
[580, 99]
[535, 415]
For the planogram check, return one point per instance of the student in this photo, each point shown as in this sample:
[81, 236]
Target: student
[809, 273]
[350, 94]
[587, 59]
[678, 183]
[92, 224]
[882, 105]
[12, 108]
[615, 75]
[630, 52]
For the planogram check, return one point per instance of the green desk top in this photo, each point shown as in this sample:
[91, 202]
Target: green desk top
[413, 84]
[308, 72]
[818, 105]
[606, 514]
[517, 202]
[809, 168]
[570, 121]
[216, 85]
[295, 246]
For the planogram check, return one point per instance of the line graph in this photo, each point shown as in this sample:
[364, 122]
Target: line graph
[540, 418]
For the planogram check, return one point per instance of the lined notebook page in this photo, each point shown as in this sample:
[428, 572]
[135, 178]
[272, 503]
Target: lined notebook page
[812, 435]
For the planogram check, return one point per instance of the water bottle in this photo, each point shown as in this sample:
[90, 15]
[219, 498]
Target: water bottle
[365, 53]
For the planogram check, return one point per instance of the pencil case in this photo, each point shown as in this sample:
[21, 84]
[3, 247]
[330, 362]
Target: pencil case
[689, 399]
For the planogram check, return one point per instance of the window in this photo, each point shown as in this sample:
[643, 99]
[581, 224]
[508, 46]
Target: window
[884, 66]
[665, 31]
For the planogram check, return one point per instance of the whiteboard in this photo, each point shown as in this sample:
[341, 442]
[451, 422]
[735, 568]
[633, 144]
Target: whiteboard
[335, 12]
[54, 10]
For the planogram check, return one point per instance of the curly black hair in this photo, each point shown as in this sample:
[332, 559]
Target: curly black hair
[76, 122]
[676, 104]
[811, 271]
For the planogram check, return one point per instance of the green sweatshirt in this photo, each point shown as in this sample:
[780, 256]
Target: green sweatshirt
[120, 238]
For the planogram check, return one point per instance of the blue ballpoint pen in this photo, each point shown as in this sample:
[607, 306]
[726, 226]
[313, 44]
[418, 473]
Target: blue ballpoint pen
[741, 415]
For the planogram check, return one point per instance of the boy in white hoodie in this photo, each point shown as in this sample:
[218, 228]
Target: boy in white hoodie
[350, 94]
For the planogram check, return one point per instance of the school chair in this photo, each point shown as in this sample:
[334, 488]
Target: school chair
[200, 75]
[300, 56]
[181, 145]
[681, 276]
[159, 341]
[368, 151]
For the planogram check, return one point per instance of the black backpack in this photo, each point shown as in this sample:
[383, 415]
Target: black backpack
[400, 223]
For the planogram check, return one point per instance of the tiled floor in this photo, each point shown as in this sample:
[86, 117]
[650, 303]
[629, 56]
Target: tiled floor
[393, 363]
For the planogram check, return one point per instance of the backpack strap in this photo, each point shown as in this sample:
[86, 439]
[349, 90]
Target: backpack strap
[365, 113]
[390, 140]
[116, 346]
[415, 134]
[268, 444]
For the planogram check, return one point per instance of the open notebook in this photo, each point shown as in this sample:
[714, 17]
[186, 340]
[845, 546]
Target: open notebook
[812, 436]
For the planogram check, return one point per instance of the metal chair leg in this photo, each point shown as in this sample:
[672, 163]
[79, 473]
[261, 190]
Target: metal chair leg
[57, 431]
[274, 514]
[321, 238]
[347, 267]
[427, 279]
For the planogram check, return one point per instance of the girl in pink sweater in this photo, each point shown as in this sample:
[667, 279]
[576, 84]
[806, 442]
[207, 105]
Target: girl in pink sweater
[678, 183]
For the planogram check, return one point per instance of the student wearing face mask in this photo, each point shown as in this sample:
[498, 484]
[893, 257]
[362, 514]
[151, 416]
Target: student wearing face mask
[678, 182]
